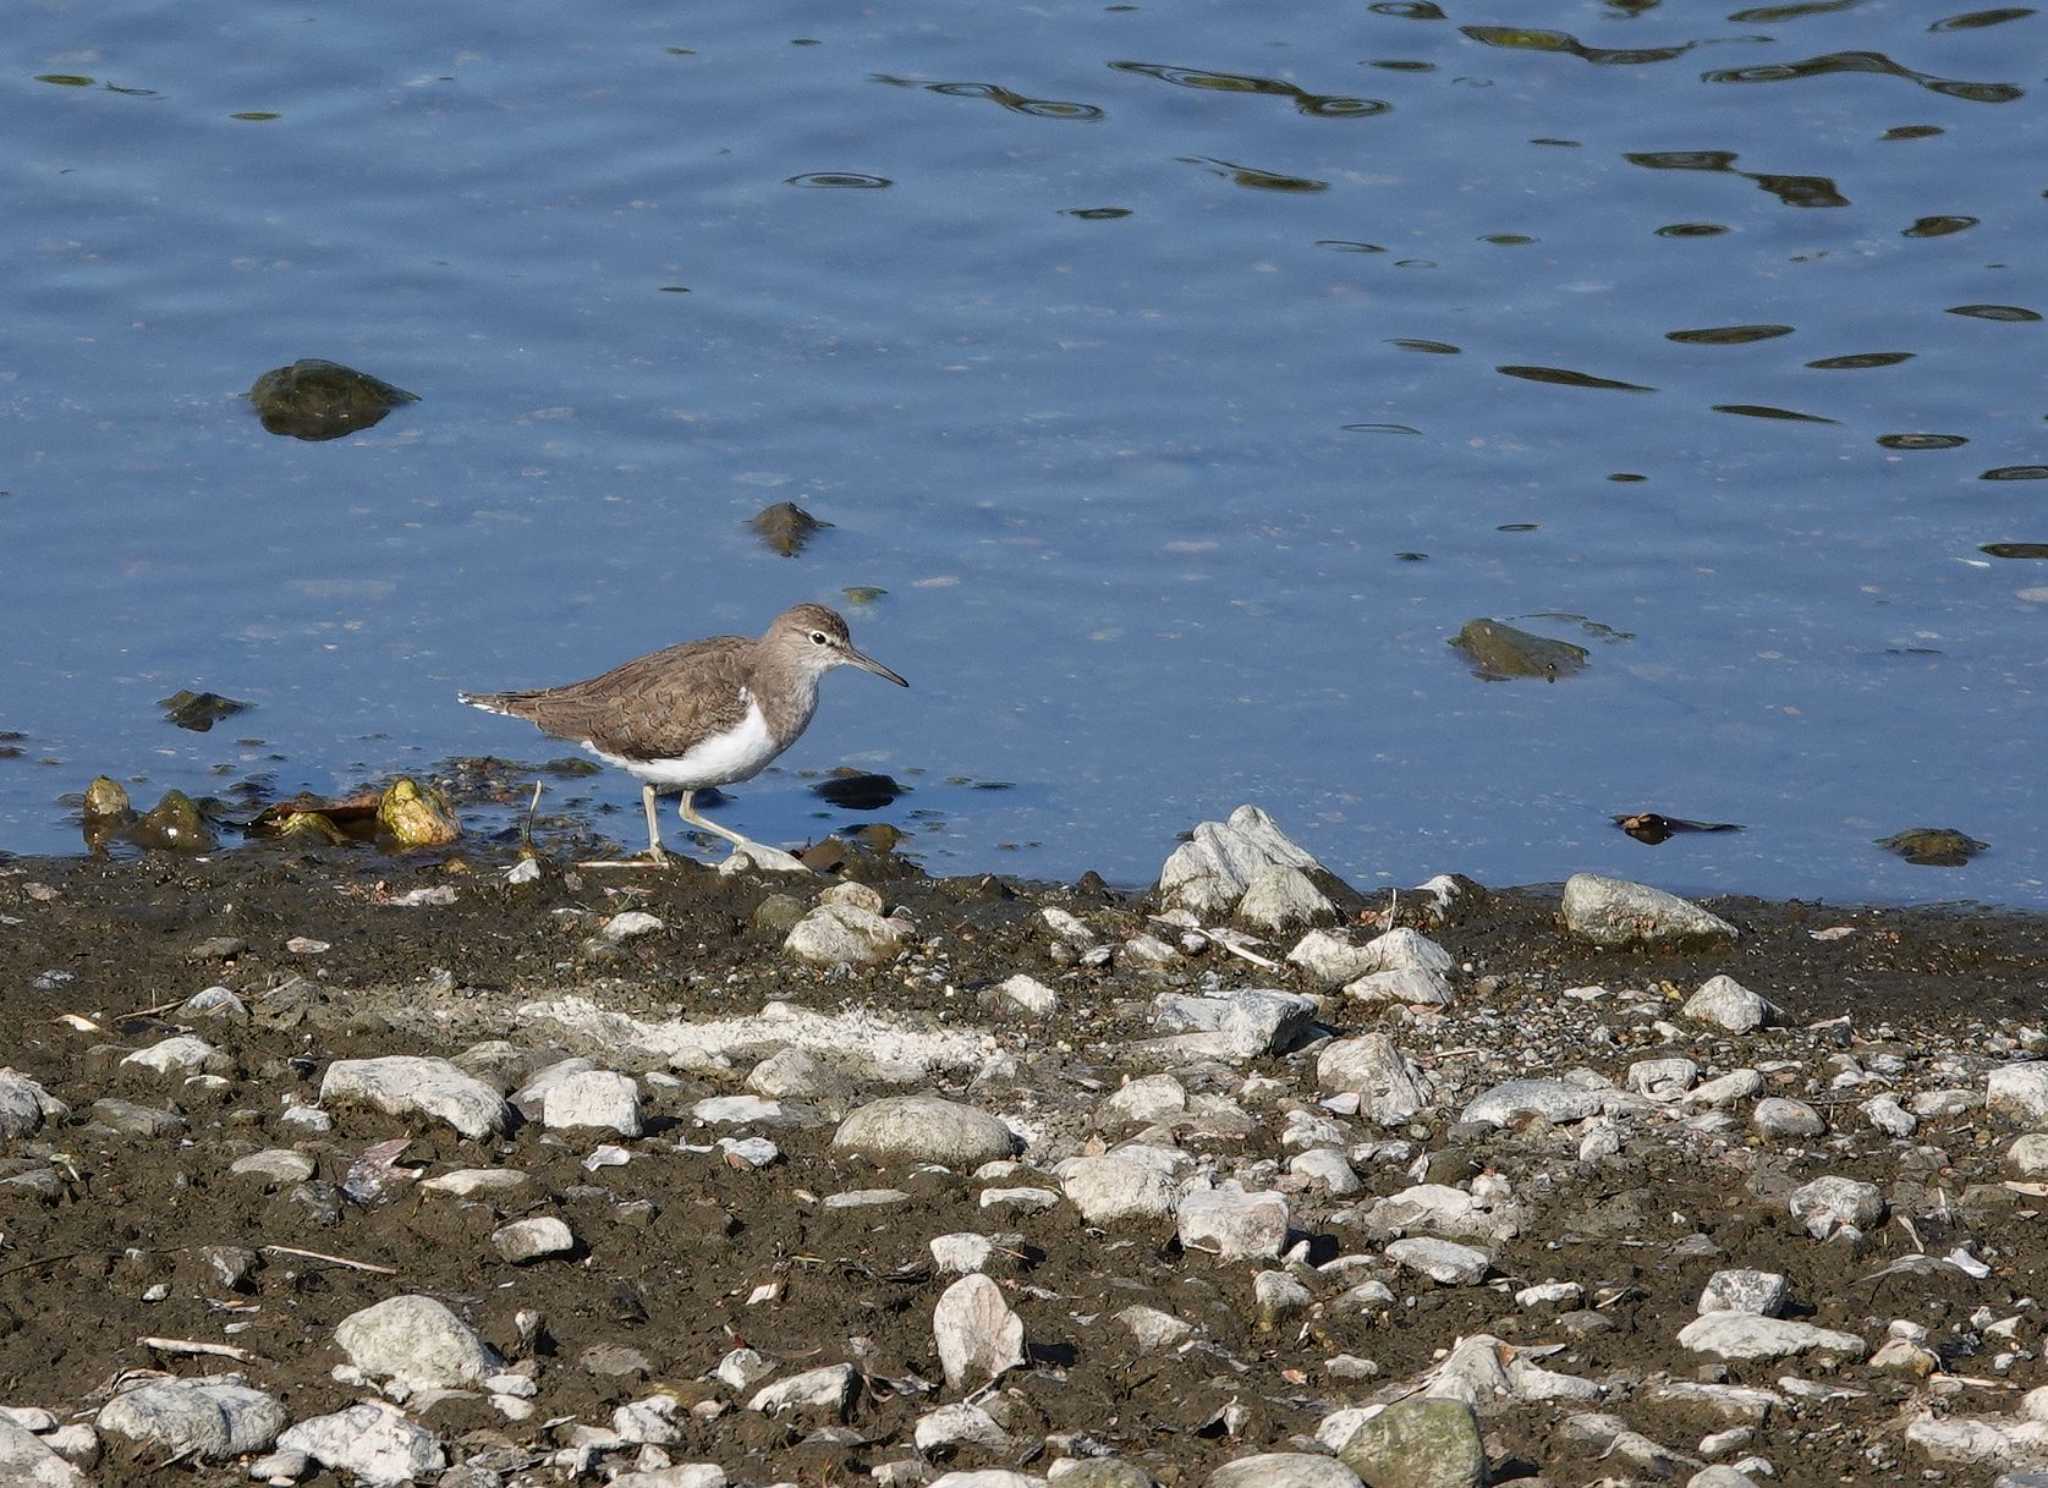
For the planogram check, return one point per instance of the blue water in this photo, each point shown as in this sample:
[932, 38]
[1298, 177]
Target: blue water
[1135, 484]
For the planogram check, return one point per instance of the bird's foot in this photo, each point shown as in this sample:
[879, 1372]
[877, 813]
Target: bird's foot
[654, 857]
[758, 857]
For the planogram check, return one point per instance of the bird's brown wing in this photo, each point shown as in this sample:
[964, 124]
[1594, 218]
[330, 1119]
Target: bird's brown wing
[652, 707]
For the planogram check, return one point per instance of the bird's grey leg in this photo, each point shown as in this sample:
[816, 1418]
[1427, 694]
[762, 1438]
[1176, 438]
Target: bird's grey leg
[758, 853]
[689, 814]
[655, 858]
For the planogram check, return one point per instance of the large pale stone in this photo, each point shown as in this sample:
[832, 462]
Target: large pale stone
[418, 1340]
[979, 1338]
[372, 1442]
[925, 1128]
[1728, 1005]
[1210, 872]
[833, 934]
[1615, 912]
[1233, 1225]
[1284, 1470]
[1391, 1087]
[1555, 1100]
[1419, 1444]
[25, 1462]
[2019, 1093]
[412, 1084]
[1744, 1335]
[1111, 1189]
[211, 1421]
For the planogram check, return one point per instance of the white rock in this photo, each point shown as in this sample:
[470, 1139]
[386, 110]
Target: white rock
[1615, 912]
[1889, 1117]
[924, 1128]
[1210, 872]
[833, 934]
[1246, 1024]
[465, 1182]
[1277, 1295]
[1407, 986]
[1154, 1329]
[650, 1421]
[1279, 896]
[415, 1339]
[2018, 1092]
[1736, 1085]
[960, 1424]
[958, 1254]
[1147, 1100]
[1024, 1200]
[1442, 1261]
[1826, 1204]
[1068, 927]
[1233, 1225]
[1727, 1004]
[1662, 1079]
[1111, 1189]
[2028, 1155]
[1391, 1087]
[1563, 1294]
[26, 1462]
[1284, 1470]
[1960, 1439]
[213, 1421]
[989, 1477]
[829, 1389]
[1763, 1293]
[687, 1474]
[1745, 1335]
[531, 1098]
[630, 925]
[594, 1098]
[1441, 1210]
[410, 1084]
[1030, 995]
[1328, 1169]
[25, 1105]
[1557, 1101]
[1331, 959]
[1403, 949]
[185, 1054]
[371, 1441]
[798, 1074]
[278, 1165]
[1774, 1116]
[526, 1240]
[979, 1338]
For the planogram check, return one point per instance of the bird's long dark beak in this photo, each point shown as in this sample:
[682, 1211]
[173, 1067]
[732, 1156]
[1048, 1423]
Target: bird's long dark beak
[867, 663]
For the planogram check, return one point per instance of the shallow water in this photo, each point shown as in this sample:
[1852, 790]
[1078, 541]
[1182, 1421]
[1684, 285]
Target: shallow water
[1127, 349]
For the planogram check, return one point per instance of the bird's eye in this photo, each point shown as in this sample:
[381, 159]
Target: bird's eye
[818, 636]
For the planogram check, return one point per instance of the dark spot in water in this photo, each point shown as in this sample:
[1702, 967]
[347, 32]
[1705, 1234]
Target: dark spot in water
[1563, 144]
[2015, 313]
[315, 399]
[1399, 65]
[993, 785]
[1343, 245]
[1500, 653]
[1691, 230]
[1409, 343]
[64, 79]
[2015, 549]
[1973, 20]
[1938, 227]
[256, 116]
[1921, 441]
[1652, 827]
[1735, 335]
[785, 527]
[1518, 527]
[1414, 263]
[1412, 557]
[1507, 240]
[1627, 475]
[856, 790]
[1858, 360]
[1254, 178]
[1933, 847]
[1765, 411]
[1913, 132]
[1407, 10]
[1565, 377]
[996, 93]
[845, 180]
[1770, 15]
[198, 711]
[2016, 473]
[1097, 214]
[1379, 429]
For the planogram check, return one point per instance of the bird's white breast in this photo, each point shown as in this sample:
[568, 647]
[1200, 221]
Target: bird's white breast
[739, 753]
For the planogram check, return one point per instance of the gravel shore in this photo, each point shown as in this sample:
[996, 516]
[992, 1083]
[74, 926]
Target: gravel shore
[325, 1167]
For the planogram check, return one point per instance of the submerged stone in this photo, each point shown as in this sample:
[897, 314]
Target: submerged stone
[199, 711]
[1933, 847]
[1500, 652]
[416, 815]
[105, 797]
[318, 399]
[175, 825]
[785, 527]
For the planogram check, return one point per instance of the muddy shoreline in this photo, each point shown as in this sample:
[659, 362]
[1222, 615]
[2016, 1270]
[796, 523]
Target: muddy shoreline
[113, 1225]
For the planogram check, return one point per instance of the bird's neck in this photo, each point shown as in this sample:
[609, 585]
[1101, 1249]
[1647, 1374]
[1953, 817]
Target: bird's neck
[786, 694]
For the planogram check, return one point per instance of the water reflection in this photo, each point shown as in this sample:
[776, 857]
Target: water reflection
[847, 180]
[1317, 105]
[1977, 19]
[1735, 335]
[1519, 39]
[1921, 441]
[1869, 62]
[1016, 103]
[1766, 411]
[1564, 377]
[1793, 191]
[1860, 360]
[1251, 176]
[1995, 312]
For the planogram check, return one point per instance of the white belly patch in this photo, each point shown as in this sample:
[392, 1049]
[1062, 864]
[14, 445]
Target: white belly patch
[739, 753]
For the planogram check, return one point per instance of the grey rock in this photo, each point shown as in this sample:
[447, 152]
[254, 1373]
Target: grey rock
[184, 1054]
[216, 1003]
[531, 1099]
[1439, 1209]
[277, 1166]
[602, 1099]
[411, 1084]
[1029, 996]
[1233, 1225]
[26, 1462]
[2028, 1155]
[1744, 1335]
[1280, 896]
[1557, 1101]
[533, 1239]
[1408, 986]
[1614, 912]
[1110, 1189]
[798, 1074]
[1775, 1116]
[25, 1105]
[210, 1420]
[1331, 959]
[742, 1368]
[1154, 1329]
[1328, 1169]
[1888, 1116]
[979, 1338]
[1736, 1085]
[132, 1120]
[1145, 1100]
[925, 1128]
[1442, 1261]
[1763, 1293]
[1662, 1079]
[465, 1183]
[1827, 1204]
[1278, 1296]
[2019, 1093]
[1391, 1087]
[844, 934]
[415, 1339]
[1419, 1444]
[1284, 1470]
[961, 1424]
[1728, 1005]
[1245, 1024]
[371, 1441]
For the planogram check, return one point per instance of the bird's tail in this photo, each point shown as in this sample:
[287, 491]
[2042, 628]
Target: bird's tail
[503, 703]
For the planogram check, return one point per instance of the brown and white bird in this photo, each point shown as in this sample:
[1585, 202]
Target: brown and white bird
[704, 713]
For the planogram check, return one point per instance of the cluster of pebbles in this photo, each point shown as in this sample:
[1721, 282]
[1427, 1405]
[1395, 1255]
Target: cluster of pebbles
[1244, 1182]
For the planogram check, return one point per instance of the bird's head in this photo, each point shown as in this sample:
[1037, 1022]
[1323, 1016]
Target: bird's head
[815, 640]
